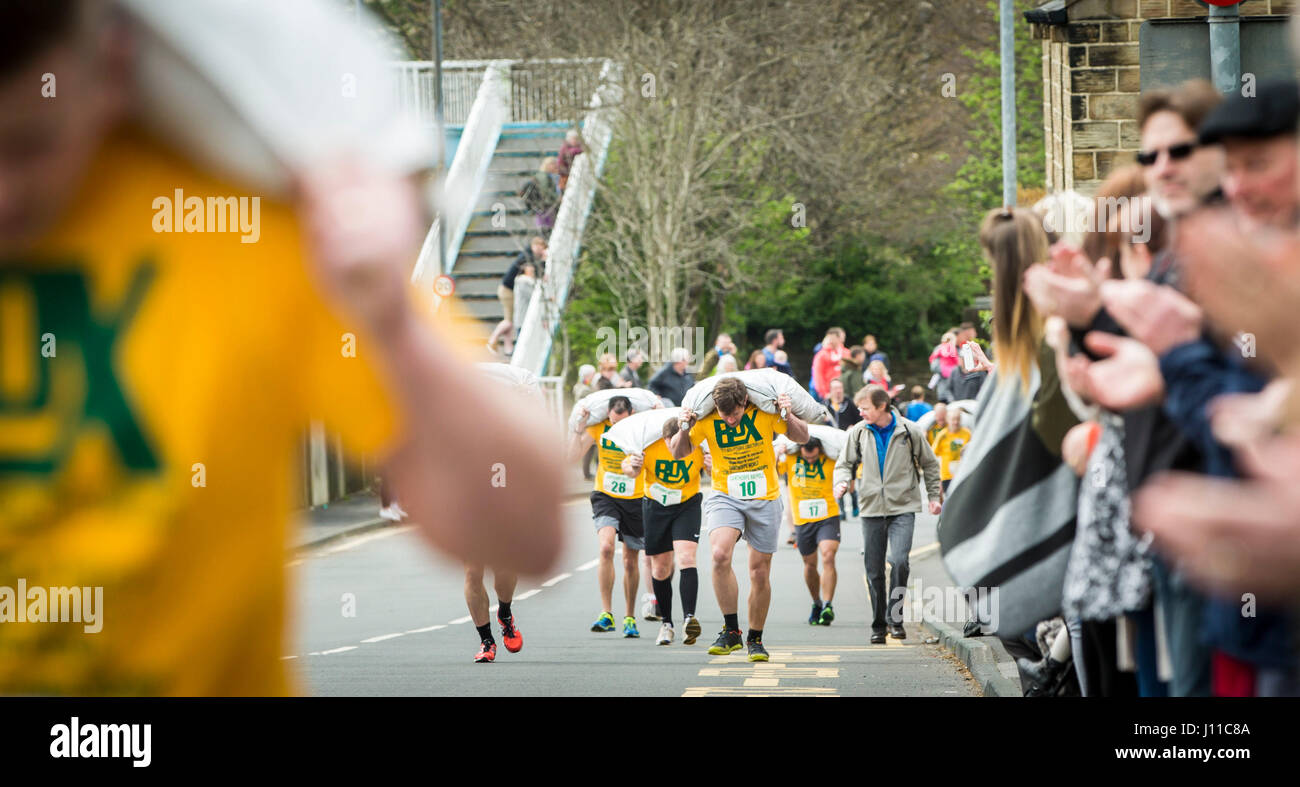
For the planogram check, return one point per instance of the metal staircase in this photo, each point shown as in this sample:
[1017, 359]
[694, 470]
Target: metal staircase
[501, 226]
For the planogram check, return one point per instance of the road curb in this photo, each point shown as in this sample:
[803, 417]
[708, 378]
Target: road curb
[351, 530]
[982, 659]
[376, 522]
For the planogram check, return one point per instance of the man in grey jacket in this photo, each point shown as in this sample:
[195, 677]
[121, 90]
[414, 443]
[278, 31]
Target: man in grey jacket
[894, 456]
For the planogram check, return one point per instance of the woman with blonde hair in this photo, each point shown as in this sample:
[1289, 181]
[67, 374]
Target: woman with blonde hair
[1025, 487]
[1013, 239]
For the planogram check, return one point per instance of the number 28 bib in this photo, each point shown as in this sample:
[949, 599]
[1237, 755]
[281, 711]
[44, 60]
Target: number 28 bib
[619, 485]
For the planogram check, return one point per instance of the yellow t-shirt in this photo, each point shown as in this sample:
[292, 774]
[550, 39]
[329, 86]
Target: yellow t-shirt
[744, 462]
[669, 481]
[155, 388]
[609, 467]
[782, 466]
[932, 434]
[948, 448]
[812, 498]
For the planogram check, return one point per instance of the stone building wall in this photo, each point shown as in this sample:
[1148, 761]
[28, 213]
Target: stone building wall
[1091, 85]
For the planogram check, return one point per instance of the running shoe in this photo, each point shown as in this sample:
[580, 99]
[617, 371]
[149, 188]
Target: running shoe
[487, 653]
[603, 623]
[727, 642]
[693, 630]
[650, 608]
[629, 627]
[666, 634]
[815, 616]
[756, 650]
[827, 615]
[513, 639]
[390, 514]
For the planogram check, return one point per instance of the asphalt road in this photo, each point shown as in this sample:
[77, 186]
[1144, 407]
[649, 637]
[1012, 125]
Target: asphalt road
[381, 614]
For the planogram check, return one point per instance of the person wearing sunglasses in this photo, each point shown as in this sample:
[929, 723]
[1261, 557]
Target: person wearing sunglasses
[1180, 173]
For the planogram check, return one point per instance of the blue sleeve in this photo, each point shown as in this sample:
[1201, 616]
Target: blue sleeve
[1195, 373]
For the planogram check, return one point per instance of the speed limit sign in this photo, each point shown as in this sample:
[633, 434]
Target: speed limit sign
[444, 286]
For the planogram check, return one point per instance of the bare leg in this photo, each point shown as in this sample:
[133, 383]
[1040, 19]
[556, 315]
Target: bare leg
[631, 578]
[830, 576]
[760, 589]
[605, 572]
[723, 540]
[505, 584]
[476, 597]
[810, 576]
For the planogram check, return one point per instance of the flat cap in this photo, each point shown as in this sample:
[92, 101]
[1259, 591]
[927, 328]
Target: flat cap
[1273, 110]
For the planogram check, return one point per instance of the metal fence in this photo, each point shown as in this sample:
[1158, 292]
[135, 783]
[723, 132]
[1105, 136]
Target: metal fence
[541, 91]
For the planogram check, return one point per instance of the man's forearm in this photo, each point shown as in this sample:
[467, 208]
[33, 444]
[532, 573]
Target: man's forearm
[796, 429]
[478, 477]
[681, 445]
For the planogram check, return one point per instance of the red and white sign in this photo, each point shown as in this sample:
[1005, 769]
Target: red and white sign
[444, 286]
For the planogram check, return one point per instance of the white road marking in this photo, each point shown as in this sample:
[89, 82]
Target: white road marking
[528, 594]
[923, 551]
[426, 628]
[458, 621]
[382, 637]
[343, 649]
[588, 564]
[550, 582]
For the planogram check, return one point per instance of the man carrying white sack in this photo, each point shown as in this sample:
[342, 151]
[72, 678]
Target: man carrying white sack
[744, 477]
[670, 513]
[615, 511]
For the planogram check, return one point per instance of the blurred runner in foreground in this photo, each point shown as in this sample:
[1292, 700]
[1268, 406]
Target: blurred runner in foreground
[155, 382]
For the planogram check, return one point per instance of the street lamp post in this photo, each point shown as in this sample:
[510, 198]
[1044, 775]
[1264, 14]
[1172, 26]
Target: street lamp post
[1006, 19]
[441, 147]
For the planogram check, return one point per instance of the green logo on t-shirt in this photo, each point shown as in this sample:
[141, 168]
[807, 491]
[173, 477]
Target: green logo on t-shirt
[743, 432]
[84, 354]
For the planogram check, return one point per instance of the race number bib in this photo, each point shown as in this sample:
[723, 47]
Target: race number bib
[813, 509]
[746, 486]
[619, 485]
[665, 496]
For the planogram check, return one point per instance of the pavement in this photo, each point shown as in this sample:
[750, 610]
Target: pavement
[378, 613]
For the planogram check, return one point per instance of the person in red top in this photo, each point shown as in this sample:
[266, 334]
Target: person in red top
[571, 149]
[826, 363]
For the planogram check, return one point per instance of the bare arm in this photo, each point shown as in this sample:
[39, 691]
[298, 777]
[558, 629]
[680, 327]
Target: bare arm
[513, 526]
[795, 429]
[440, 401]
[680, 444]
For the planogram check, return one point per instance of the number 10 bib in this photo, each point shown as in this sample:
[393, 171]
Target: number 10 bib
[746, 486]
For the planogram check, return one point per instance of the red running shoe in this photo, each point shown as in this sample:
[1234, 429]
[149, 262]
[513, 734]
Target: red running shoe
[510, 635]
[487, 653]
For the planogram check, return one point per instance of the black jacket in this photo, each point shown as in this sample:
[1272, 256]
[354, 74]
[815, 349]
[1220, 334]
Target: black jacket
[671, 385]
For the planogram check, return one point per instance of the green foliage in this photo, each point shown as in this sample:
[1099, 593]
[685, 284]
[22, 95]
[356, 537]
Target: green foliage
[906, 297]
[978, 184]
[804, 280]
